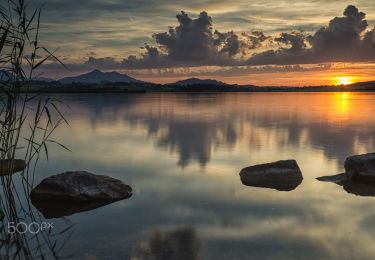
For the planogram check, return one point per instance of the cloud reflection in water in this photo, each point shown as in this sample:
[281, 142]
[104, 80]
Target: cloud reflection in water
[161, 143]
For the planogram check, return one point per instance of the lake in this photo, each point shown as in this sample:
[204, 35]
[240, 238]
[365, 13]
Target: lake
[182, 154]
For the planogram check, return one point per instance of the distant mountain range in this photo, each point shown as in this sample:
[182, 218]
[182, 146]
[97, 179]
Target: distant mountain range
[97, 77]
[43, 79]
[4, 76]
[190, 84]
[196, 81]
[366, 83]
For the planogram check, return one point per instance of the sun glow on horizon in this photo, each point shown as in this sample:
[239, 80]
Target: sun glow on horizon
[342, 81]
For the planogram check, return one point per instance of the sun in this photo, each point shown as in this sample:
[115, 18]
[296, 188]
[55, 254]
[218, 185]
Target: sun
[340, 81]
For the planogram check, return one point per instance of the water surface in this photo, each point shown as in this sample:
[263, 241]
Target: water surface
[182, 154]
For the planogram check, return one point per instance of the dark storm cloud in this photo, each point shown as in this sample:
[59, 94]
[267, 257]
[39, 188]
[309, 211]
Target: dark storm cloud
[340, 41]
[193, 42]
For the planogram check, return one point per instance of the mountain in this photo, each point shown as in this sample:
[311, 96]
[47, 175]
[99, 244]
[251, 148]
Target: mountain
[4, 76]
[42, 79]
[364, 84]
[196, 81]
[96, 77]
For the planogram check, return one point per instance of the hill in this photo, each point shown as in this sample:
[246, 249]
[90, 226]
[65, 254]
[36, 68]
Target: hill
[196, 81]
[97, 77]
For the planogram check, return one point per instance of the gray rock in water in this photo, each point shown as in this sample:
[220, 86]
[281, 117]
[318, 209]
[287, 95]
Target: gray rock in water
[10, 166]
[361, 167]
[281, 175]
[76, 192]
[81, 186]
[351, 186]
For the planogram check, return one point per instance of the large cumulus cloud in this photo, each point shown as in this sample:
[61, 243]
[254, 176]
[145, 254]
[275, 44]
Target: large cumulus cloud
[344, 40]
[194, 42]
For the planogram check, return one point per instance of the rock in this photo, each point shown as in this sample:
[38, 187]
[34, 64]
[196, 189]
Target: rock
[350, 186]
[10, 166]
[339, 179]
[76, 192]
[361, 167]
[81, 186]
[359, 176]
[281, 175]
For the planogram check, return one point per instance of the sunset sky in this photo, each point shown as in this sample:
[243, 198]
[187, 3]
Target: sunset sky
[265, 42]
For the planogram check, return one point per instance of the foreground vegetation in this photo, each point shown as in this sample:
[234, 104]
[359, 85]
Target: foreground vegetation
[27, 122]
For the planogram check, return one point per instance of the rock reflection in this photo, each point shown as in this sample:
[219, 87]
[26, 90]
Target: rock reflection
[177, 244]
[351, 186]
[52, 210]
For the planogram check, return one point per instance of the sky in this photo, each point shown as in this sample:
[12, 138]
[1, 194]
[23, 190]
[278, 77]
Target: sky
[296, 43]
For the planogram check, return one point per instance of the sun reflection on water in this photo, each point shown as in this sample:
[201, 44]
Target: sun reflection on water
[342, 105]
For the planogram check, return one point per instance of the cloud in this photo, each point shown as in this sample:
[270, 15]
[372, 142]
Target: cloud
[340, 41]
[343, 32]
[231, 71]
[233, 44]
[369, 39]
[296, 53]
[193, 42]
[103, 63]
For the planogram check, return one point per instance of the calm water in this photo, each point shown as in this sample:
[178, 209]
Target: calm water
[182, 155]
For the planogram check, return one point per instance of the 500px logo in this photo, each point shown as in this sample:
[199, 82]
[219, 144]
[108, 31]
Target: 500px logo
[33, 227]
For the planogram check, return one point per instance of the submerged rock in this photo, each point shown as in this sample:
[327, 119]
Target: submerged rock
[71, 192]
[281, 175]
[361, 167]
[10, 166]
[359, 176]
[351, 186]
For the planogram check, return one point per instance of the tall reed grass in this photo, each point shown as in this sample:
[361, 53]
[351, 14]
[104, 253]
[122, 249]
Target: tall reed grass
[27, 122]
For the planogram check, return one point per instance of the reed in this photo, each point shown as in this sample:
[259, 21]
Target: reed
[27, 122]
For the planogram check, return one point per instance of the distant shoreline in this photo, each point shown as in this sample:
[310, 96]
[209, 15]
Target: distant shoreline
[97, 81]
[78, 88]
[176, 92]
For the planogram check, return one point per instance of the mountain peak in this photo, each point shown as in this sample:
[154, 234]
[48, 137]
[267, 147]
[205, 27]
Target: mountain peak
[96, 77]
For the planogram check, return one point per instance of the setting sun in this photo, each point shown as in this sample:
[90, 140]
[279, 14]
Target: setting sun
[344, 81]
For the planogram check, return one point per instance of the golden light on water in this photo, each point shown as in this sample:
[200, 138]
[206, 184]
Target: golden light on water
[342, 106]
[340, 81]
